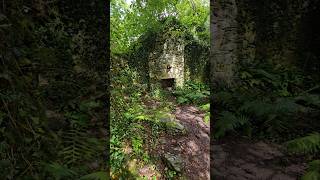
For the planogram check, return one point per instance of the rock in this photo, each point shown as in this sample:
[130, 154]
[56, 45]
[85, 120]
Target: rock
[172, 124]
[176, 127]
[174, 161]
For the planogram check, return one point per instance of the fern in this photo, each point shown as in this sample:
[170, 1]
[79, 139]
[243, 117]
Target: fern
[310, 100]
[192, 93]
[286, 105]
[224, 98]
[59, 171]
[182, 100]
[257, 107]
[313, 172]
[305, 145]
[205, 107]
[78, 146]
[228, 121]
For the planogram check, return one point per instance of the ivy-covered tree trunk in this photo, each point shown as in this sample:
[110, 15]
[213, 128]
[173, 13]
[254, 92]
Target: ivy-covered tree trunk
[223, 38]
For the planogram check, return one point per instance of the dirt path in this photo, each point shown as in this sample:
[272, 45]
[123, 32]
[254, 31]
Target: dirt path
[234, 158]
[239, 159]
[193, 147]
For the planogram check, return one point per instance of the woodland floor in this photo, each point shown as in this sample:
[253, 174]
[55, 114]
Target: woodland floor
[235, 158]
[194, 147]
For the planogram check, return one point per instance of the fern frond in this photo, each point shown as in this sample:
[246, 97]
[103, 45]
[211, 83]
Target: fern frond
[286, 105]
[257, 107]
[78, 146]
[270, 77]
[228, 121]
[313, 172]
[305, 145]
[59, 171]
[310, 99]
[261, 108]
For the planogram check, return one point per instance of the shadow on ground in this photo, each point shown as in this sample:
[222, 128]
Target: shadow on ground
[239, 159]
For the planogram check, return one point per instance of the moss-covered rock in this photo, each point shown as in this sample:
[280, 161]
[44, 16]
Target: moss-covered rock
[173, 161]
[172, 125]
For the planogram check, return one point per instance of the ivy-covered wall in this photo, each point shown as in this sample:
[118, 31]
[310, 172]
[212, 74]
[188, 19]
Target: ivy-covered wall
[167, 59]
[196, 62]
[170, 53]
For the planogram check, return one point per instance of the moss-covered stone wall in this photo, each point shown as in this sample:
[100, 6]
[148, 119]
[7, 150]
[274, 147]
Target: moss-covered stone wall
[167, 59]
[245, 32]
[196, 62]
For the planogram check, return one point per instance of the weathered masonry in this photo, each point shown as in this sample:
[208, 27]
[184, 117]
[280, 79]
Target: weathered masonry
[166, 62]
[245, 32]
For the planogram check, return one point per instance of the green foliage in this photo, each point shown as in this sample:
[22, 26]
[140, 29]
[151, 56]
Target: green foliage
[206, 108]
[195, 93]
[228, 121]
[269, 97]
[307, 145]
[78, 146]
[171, 174]
[116, 155]
[313, 171]
[59, 171]
[49, 82]
[128, 117]
[129, 22]
[137, 144]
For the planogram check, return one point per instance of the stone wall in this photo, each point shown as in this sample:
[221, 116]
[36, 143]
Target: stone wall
[167, 60]
[196, 58]
[224, 36]
[246, 32]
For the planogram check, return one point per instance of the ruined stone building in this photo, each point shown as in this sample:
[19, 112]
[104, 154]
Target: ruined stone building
[167, 59]
[166, 62]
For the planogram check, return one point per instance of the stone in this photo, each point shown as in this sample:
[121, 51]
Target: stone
[173, 161]
[172, 124]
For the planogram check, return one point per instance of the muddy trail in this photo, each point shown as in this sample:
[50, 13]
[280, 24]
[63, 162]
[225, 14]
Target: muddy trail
[236, 158]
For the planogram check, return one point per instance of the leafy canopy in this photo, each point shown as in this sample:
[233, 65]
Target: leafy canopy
[129, 20]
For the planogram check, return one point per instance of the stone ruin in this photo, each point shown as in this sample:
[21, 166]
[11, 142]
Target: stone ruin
[166, 62]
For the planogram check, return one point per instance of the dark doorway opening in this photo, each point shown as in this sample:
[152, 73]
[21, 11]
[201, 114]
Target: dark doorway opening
[167, 83]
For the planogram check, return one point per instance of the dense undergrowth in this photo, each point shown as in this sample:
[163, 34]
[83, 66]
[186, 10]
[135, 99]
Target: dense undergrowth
[273, 102]
[196, 93]
[136, 113]
[52, 91]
